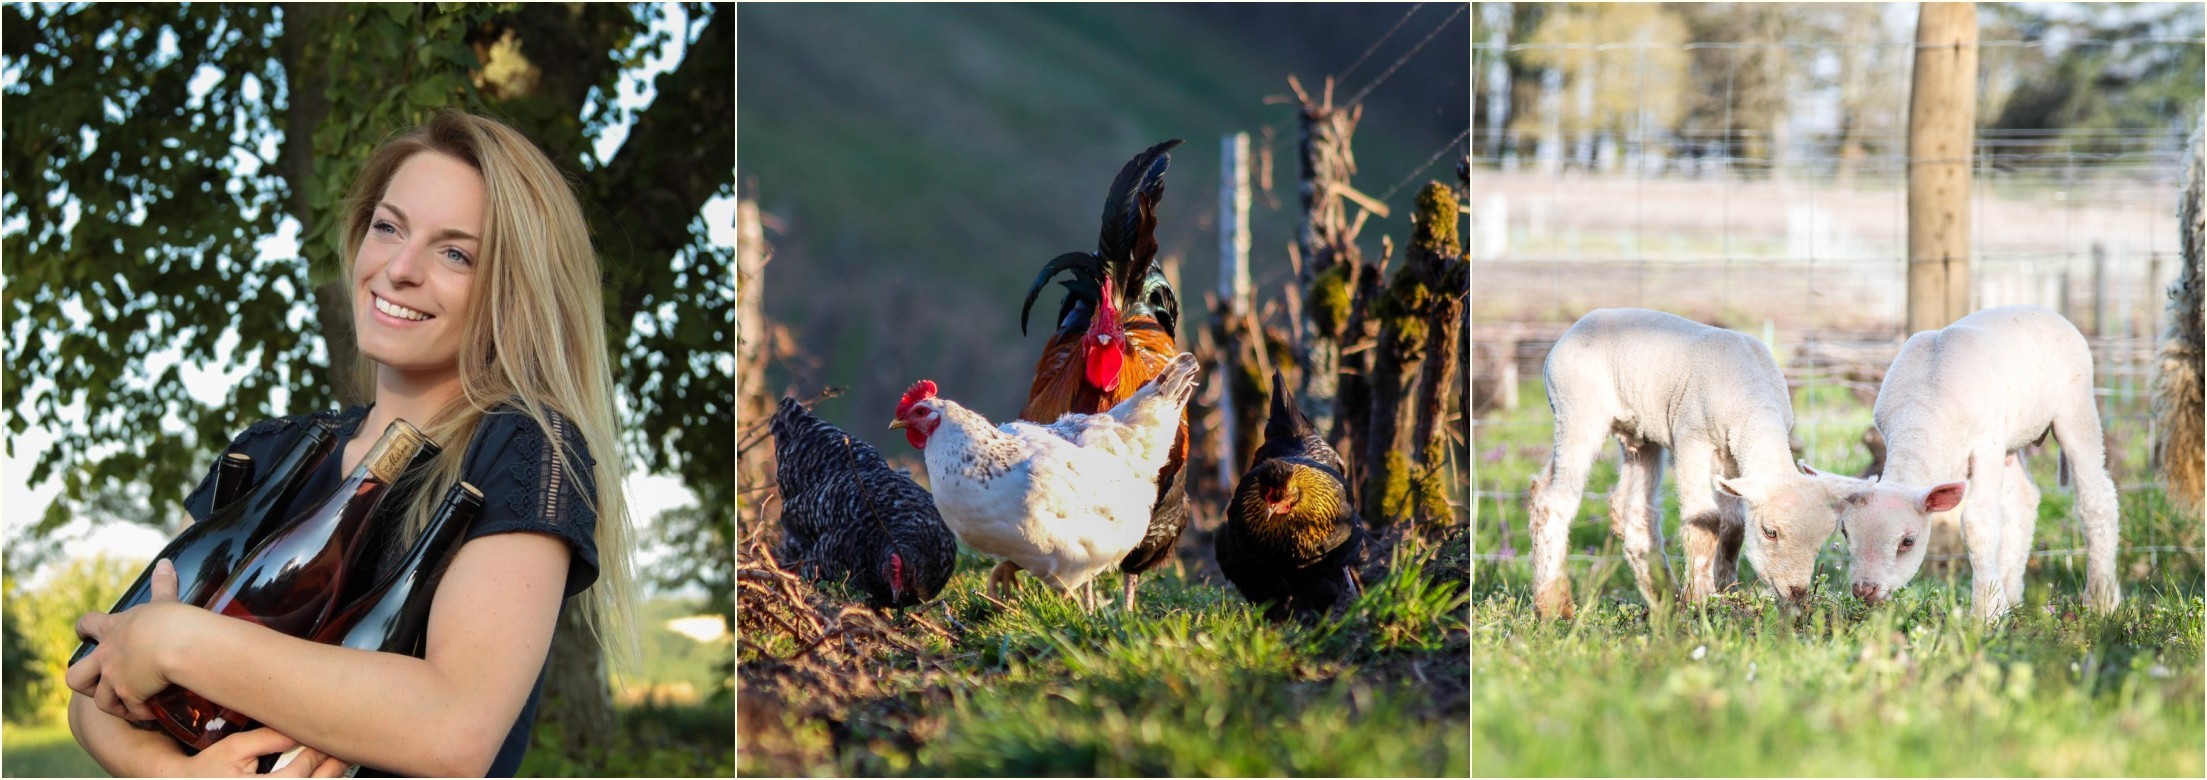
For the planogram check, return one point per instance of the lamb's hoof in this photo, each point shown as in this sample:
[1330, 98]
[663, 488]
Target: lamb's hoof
[1554, 602]
[2104, 597]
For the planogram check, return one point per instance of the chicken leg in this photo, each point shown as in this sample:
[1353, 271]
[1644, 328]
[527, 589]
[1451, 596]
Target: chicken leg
[1131, 577]
[1004, 575]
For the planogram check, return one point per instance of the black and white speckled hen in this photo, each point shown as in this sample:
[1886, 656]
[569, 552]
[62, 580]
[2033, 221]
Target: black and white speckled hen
[848, 517]
[1292, 541]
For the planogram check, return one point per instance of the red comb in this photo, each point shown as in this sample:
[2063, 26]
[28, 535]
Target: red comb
[921, 391]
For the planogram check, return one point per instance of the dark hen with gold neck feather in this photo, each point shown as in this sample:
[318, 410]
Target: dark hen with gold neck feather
[1116, 332]
[1291, 541]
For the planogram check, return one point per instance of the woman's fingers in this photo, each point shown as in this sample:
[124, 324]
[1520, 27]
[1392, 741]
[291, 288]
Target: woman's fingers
[137, 708]
[331, 766]
[103, 696]
[84, 676]
[300, 761]
[256, 743]
[164, 580]
[92, 625]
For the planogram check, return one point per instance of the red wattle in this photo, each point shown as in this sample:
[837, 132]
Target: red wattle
[1103, 367]
[917, 439]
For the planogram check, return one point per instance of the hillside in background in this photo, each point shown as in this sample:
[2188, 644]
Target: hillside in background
[918, 164]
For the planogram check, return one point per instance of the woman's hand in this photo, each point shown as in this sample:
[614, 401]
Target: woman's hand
[239, 755]
[123, 672]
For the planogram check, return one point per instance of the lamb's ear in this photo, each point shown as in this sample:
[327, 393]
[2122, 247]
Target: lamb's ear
[1804, 466]
[1742, 487]
[1941, 498]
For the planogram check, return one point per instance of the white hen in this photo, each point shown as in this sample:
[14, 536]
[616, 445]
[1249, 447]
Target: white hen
[1065, 500]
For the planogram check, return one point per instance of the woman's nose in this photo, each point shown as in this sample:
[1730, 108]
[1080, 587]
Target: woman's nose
[404, 266]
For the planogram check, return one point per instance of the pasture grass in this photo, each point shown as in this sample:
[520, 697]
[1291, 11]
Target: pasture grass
[1915, 686]
[1193, 682]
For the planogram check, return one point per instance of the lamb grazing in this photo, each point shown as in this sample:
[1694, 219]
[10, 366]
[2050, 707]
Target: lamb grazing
[846, 516]
[1955, 405]
[1064, 501]
[2179, 394]
[1716, 399]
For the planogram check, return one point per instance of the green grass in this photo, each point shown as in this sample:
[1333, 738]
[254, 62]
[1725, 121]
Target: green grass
[1912, 687]
[45, 751]
[1193, 682]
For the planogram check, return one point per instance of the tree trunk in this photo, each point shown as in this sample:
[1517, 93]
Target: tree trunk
[577, 705]
[308, 86]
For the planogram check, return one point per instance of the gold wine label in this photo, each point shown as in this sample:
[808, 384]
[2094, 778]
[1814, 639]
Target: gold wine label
[390, 455]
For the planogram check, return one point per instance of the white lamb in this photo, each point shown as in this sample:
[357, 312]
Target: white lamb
[1715, 397]
[1955, 405]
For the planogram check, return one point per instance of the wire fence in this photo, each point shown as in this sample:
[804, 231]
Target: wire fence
[1796, 231]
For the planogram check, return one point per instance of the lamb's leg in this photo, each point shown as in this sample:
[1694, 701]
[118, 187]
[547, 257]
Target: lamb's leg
[1553, 503]
[1729, 537]
[2097, 504]
[2022, 513]
[1633, 516]
[1701, 517]
[1982, 531]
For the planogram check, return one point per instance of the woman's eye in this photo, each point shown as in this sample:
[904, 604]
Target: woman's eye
[380, 226]
[458, 256]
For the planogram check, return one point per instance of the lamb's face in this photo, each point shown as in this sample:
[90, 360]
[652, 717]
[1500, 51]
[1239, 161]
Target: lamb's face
[1887, 528]
[1788, 518]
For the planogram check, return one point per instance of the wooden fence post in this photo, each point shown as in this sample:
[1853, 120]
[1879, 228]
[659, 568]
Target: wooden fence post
[1233, 289]
[1942, 115]
[753, 404]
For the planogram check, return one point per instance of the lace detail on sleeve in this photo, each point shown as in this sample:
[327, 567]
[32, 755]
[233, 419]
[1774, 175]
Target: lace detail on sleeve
[525, 490]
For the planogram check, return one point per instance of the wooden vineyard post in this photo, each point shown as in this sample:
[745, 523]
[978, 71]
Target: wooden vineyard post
[1942, 115]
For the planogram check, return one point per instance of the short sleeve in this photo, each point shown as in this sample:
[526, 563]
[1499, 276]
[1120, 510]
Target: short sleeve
[512, 460]
[264, 441]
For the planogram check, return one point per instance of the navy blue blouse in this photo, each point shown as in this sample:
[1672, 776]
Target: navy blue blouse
[524, 490]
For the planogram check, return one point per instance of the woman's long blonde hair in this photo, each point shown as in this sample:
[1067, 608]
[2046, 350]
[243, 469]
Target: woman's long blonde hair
[536, 335]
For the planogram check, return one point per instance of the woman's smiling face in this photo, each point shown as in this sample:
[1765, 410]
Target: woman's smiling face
[415, 267]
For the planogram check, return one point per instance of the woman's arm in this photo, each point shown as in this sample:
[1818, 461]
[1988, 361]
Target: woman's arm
[128, 752]
[121, 750]
[442, 715]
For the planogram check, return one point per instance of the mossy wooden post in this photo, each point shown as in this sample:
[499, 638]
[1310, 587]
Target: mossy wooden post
[2178, 447]
[1942, 116]
[1324, 242]
[1419, 316]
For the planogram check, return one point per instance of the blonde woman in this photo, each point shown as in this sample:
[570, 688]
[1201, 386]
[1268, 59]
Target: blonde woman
[474, 295]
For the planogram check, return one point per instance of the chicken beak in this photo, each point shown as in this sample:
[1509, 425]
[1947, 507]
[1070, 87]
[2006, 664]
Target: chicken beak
[897, 423]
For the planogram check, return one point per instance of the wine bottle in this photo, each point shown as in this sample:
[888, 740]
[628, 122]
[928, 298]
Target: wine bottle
[291, 581]
[394, 616]
[233, 474]
[391, 618]
[208, 551]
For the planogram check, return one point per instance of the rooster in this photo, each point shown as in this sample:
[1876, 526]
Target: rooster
[846, 516]
[1065, 500]
[1115, 332]
[1291, 540]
